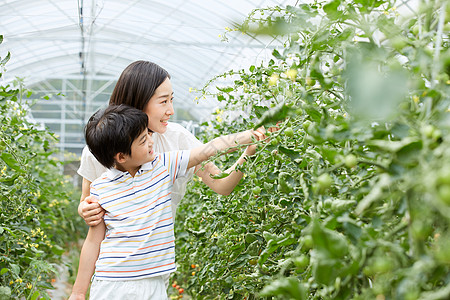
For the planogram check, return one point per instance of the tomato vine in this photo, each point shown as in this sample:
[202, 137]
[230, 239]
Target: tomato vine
[350, 199]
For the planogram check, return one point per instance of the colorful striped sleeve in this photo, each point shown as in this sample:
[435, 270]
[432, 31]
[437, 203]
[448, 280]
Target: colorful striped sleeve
[176, 163]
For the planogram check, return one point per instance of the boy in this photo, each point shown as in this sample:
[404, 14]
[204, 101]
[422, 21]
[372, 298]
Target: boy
[138, 247]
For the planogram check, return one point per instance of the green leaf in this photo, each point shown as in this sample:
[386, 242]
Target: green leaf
[3, 271]
[225, 89]
[289, 286]
[331, 9]
[250, 238]
[273, 245]
[35, 295]
[394, 146]
[325, 269]
[220, 176]
[279, 112]
[327, 242]
[375, 194]
[292, 153]
[315, 115]
[57, 250]
[277, 54]
[9, 159]
[5, 293]
[6, 59]
[15, 269]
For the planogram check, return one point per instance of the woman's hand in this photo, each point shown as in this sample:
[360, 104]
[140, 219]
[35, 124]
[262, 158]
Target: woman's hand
[76, 296]
[91, 211]
[259, 134]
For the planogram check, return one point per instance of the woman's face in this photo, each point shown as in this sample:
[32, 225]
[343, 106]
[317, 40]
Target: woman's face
[160, 107]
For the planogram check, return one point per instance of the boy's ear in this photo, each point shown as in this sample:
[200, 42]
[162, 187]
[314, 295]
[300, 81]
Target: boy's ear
[120, 158]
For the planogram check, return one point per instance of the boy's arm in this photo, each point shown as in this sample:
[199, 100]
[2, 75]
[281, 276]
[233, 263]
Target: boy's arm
[88, 258]
[203, 152]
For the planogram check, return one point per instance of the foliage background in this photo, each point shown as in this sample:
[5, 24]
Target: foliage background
[38, 206]
[350, 199]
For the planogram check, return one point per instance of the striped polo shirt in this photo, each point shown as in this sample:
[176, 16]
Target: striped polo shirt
[139, 240]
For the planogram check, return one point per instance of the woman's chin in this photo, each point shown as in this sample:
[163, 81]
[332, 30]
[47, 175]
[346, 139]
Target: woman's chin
[161, 129]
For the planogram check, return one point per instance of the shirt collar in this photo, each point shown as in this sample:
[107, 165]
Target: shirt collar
[113, 173]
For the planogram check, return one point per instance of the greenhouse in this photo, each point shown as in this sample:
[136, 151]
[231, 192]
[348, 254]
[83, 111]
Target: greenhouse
[304, 147]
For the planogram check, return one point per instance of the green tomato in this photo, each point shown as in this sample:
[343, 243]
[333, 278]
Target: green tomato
[327, 203]
[301, 262]
[308, 242]
[382, 265]
[252, 262]
[350, 161]
[398, 43]
[436, 134]
[310, 81]
[289, 132]
[444, 176]
[324, 181]
[444, 194]
[447, 25]
[274, 142]
[256, 190]
[252, 175]
[428, 130]
[306, 124]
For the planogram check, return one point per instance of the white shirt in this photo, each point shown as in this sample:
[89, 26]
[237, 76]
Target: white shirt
[175, 138]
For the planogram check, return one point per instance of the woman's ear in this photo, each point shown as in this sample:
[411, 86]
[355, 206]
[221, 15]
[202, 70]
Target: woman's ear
[120, 158]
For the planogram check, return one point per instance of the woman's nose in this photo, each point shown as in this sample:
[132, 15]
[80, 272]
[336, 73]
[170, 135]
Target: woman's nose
[170, 110]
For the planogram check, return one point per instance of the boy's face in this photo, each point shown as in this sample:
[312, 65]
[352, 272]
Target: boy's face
[142, 149]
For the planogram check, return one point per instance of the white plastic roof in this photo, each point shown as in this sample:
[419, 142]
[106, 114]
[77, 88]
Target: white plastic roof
[80, 48]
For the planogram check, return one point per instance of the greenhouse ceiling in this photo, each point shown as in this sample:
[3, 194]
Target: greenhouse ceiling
[79, 48]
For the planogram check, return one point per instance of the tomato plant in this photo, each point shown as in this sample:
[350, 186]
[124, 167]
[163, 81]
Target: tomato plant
[38, 205]
[352, 192]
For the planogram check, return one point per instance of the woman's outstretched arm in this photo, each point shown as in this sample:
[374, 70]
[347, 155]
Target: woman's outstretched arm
[225, 186]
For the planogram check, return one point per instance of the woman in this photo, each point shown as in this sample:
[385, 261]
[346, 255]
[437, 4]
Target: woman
[146, 86]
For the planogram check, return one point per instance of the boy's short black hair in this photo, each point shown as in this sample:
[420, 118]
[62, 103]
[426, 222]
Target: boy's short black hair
[112, 130]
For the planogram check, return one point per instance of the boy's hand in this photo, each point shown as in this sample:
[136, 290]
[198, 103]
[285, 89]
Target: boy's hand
[91, 211]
